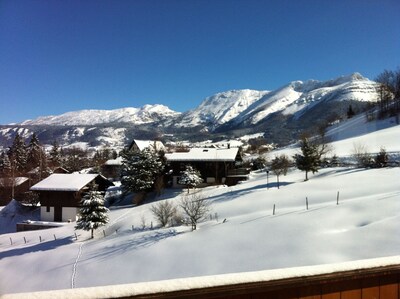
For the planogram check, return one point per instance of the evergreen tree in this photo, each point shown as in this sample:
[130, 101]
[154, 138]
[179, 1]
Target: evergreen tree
[309, 160]
[140, 170]
[92, 213]
[35, 154]
[18, 154]
[5, 165]
[190, 177]
[382, 158]
[350, 112]
[55, 155]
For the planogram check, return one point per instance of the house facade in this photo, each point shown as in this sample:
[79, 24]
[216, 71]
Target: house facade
[216, 166]
[60, 194]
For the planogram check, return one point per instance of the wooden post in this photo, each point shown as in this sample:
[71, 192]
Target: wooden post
[307, 203]
[11, 241]
[25, 240]
[133, 227]
[273, 211]
[40, 239]
[104, 232]
[55, 237]
[76, 237]
[337, 198]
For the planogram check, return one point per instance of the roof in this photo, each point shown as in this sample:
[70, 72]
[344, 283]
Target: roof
[64, 182]
[204, 154]
[8, 182]
[142, 144]
[117, 161]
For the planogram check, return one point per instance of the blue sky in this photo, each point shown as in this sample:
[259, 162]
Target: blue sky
[59, 56]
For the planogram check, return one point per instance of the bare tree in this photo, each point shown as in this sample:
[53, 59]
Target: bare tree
[164, 211]
[361, 155]
[195, 207]
[279, 166]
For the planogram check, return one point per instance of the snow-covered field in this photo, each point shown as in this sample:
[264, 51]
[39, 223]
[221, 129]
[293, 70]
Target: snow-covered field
[245, 236]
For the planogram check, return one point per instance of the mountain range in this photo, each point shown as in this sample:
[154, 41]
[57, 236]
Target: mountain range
[280, 115]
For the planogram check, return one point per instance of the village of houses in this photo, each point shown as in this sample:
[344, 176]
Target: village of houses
[60, 193]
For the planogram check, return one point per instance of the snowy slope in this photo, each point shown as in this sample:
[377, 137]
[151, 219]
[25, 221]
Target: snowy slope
[298, 97]
[146, 114]
[244, 236]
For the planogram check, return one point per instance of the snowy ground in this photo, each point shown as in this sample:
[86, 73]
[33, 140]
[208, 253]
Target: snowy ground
[245, 237]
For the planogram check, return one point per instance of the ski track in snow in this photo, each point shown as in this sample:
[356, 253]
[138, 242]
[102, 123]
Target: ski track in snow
[74, 270]
[75, 266]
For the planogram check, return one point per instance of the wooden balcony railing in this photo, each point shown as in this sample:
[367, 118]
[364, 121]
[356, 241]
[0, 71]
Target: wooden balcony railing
[367, 279]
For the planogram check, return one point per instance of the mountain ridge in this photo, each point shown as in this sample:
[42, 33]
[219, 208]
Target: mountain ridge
[279, 114]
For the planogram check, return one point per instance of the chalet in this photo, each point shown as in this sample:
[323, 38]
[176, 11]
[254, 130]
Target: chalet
[111, 169]
[12, 188]
[60, 194]
[216, 166]
[139, 145]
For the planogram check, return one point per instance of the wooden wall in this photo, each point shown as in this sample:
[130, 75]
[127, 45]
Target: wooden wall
[378, 283]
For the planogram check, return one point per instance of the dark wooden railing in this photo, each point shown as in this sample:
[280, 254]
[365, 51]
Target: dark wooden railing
[370, 279]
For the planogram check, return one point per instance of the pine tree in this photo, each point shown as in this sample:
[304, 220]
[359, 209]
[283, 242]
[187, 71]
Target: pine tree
[190, 177]
[92, 213]
[18, 154]
[140, 170]
[350, 112]
[55, 155]
[35, 154]
[5, 165]
[309, 160]
[382, 158]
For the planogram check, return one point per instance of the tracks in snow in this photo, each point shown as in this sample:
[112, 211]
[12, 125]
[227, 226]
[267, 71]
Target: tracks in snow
[75, 265]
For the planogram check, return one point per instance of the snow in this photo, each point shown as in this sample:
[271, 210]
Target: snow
[142, 144]
[8, 182]
[204, 154]
[145, 114]
[148, 288]
[64, 182]
[243, 241]
[221, 107]
[116, 162]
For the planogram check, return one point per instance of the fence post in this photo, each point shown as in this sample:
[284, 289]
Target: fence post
[104, 232]
[55, 237]
[337, 198]
[11, 241]
[40, 239]
[76, 237]
[273, 211]
[25, 240]
[306, 202]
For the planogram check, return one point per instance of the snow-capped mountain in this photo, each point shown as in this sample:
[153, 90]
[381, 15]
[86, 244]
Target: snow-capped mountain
[279, 115]
[144, 115]
[297, 97]
[221, 108]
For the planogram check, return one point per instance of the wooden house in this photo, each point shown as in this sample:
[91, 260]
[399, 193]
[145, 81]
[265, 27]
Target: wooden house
[12, 188]
[216, 166]
[111, 169]
[60, 194]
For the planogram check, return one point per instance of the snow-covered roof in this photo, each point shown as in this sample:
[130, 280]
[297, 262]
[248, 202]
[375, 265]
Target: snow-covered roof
[205, 154]
[142, 144]
[117, 161]
[64, 182]
[8, 182]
